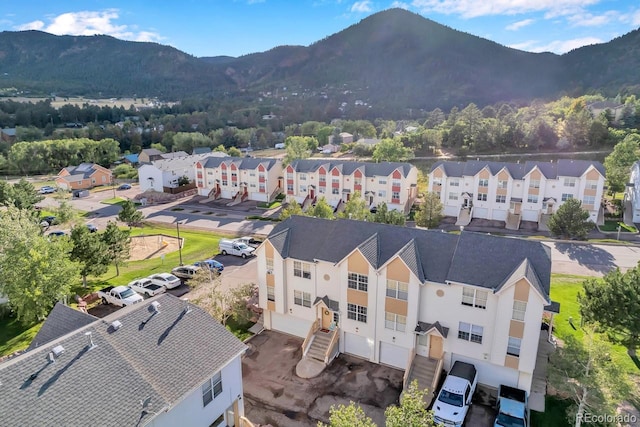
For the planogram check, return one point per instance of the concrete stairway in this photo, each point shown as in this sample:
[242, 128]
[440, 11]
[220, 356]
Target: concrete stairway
[237, 199]
[544, 220]
[319, 345]
[464, 217]
[512, 222]
[426, 371]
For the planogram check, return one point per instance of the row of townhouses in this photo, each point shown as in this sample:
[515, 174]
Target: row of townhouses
[404, 296]
[515, 192]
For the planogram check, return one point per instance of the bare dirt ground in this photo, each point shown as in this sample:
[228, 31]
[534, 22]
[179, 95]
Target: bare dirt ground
[152, 246]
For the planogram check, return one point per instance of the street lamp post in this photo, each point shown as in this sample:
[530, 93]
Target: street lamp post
[179, 241]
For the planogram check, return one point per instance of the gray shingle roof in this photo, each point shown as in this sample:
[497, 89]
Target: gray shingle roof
[160, 357]
[243, 163]
[551, 170]
[347, 167]
[471, 258]
[60, 321]
[423, 327]
[333, 305]
[82, 171]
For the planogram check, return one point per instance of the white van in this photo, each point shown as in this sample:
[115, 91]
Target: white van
[235, 248]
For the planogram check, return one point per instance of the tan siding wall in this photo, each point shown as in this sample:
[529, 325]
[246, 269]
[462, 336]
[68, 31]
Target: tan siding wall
[357, 297]
[516, 329]
[534, 190]
[437, 173]
[270, 280]
[522, 290]
[271, 305]
[484, 174]
[396, 270]
[536, 174]
[503, 176]
[357, 263]
[396, 306]
[511, 362]
[501, 191]
[268, 249]
[593, 175]
[590, 192]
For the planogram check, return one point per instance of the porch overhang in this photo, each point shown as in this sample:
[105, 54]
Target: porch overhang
[423, 328]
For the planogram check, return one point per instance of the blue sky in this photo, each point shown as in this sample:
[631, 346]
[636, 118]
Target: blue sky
[238, 27]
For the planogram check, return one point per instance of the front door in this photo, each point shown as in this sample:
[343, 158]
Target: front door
[312, 193]
[435, 346]
[549, 208]
[421, 348]
[327, 317]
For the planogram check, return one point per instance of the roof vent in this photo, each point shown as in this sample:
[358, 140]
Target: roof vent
[155, 307]
[116, 324]
[57, 351]
[89, 335]
[187, 307]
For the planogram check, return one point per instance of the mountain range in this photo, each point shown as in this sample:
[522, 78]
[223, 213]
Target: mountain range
[394, 59]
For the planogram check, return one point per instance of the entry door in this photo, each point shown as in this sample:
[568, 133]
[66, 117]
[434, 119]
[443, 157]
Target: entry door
[327, 318]
[435, 346]
[312, 193]
[421, 348]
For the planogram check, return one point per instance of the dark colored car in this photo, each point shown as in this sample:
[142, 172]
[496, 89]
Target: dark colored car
[57, 234]
[125, 187]
[50, 219]
[211, 264]
[92, 228]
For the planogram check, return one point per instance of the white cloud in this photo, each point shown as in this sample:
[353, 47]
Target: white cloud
[361, 6]
[524, 45]
[520, 24]
[400, 4]
[563, 46]
[88, 23]
[475, 8]
[635, 18]
[589, 20]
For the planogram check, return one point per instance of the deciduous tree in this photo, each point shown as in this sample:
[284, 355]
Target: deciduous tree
[348, 416]
[322, 209]
[412, 411]
[293, 208]
[298, 147]
[570, 221]
[118, 244]
[391, 150]
[618, 163]
[222, 304]
[429, 212]
[89, 251]
[386, 216]
[356, 208]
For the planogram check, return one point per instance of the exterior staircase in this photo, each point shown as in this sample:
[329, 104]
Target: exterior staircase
[213, 195]
[427, 372]
[236, 199]
[464, 217]
[542, 223]
[320, 345]
[513, 221]
[306, 204]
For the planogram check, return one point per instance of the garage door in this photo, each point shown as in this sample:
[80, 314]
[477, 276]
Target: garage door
[480, 212]
[290, 325]
[451, 210]
[529, 215]
[357, 345]
[393, 355]
[490, 374]
[500, 215]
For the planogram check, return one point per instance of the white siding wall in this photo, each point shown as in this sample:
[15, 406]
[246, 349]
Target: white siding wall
[150, 178]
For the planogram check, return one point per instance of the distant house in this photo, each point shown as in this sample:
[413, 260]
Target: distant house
[163, 362]
[8, 135]
[615, 108]
[201, 150]
[368, 142]
[148, 155]
[346, 137]
[174, 155]
[83, 176]
[166, 172]
[131, 159]
[329, 149]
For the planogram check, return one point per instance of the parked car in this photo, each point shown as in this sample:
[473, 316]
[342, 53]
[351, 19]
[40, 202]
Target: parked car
[211, 264]
[249, 241]
[168, 280]
[124, 187]
[120, 296]
[185, 271]
[454, 399]
[57, 233]
[147, 287]
[92, 228]
[49, 219]
[47, 190]
[512, 407]
[234, 248]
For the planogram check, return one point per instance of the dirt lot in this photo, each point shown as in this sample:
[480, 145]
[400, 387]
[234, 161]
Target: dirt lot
[275, 395]
[153, 246]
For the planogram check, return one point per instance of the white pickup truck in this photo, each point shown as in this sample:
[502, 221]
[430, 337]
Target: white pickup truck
[454, 399]
[232, 247]
[147, 287]
[120, 295]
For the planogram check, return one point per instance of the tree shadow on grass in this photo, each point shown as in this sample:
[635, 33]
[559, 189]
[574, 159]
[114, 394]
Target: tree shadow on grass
[590, 256]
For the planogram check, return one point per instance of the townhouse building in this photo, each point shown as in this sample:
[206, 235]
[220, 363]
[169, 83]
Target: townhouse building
[407, 297]
[632, 195]
[391, 182]
[245, 178]
[163, 174]
[515, 192]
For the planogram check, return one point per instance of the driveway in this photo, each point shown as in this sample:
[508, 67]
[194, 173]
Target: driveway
[275, 395]
[586, 259]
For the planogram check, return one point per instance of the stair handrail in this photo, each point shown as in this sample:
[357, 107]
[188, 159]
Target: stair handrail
[312, 330]
[244, 422]
[332, 344]
[436, 375]
[407, 372]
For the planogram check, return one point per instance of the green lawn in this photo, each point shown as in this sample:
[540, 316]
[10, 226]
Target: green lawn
[274, 204]
[613, 226]
[114, 201]
[555, 414]
[15, 336]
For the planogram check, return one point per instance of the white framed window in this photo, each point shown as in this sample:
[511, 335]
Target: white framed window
[302, 298]
[302, 269]
[271, 293]
[395, 322]
[501, 198]
[483, 182]
[513, 347]
[422, 340]
[322, 179]
[252, 173]
[382, 181]
[335, 190]
[211, 389]
[474, 297]
[532, 198]
[591, 185]
[357, 281]
[252, 185]
[569, 182]
[519, 310]
[322, 190]
[470, 332]
[225, 182]
[303, 177]
[357, 312]
[261, 187]
[502, 183]
[453, 196]
[290, 188]
[395, 183]
[534, 183]
[454, 183]
[269, 262]
[209, 172]
[303, 188]
[398, 290]
[382, 193]
[482, 197]
[437, 181]
[589, 200]
[335, 181]
[566, 196]
[395, 195]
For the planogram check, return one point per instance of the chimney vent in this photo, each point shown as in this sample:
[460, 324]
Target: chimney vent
[116, 324]
[89, 335]
[58, 351]
[155, 307]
